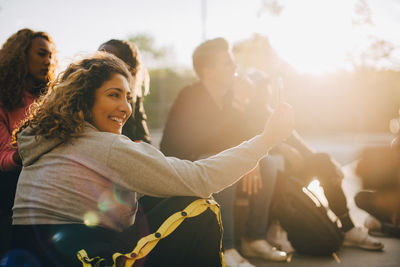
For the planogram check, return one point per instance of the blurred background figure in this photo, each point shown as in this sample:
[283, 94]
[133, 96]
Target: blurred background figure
[305, 163]
[212, 115]
[379, 170]
[27, 63]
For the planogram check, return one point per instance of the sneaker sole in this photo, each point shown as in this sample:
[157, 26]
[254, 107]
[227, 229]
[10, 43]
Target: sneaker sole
[366, 247]
[251, 254]
[378, 233]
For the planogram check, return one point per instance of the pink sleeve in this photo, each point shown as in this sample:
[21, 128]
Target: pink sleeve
[6, 152]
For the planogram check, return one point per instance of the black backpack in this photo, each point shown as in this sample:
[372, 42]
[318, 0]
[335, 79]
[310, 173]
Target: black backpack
[309, 228]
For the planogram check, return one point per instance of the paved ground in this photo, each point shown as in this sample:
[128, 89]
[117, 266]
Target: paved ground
[345, 148]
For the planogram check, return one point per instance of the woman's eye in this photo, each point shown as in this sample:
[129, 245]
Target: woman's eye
[129, 99]
[114, 94]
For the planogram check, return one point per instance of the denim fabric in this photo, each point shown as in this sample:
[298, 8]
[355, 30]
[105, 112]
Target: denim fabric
[258, 214]
[259, 204]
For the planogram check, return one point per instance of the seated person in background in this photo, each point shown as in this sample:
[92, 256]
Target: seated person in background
[212, 115]
[379, 169]
[303, 162]
[76, 196]
[208, 117]
[135, 127]
[27, 63]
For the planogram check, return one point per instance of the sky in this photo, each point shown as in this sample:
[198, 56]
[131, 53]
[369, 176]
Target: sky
[314, 36]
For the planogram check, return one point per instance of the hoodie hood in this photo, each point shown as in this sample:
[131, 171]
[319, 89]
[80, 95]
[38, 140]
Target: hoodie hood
[31, 148]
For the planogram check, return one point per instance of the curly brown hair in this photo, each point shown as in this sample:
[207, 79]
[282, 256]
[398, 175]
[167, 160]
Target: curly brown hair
[14, 67]
[67, 105]
[129, 53]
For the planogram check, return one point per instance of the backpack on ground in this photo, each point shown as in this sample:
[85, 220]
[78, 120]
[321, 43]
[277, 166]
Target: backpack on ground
[309, 228]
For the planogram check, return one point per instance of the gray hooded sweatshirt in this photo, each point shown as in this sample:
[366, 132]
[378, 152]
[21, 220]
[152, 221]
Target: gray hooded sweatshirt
[94, 178]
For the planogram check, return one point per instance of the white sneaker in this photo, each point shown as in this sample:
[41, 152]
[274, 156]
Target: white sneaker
[262, 249]
[277, 237]
[233, 259]
[356, 237]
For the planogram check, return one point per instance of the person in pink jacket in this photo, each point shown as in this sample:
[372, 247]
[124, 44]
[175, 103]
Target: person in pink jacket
[27, 64]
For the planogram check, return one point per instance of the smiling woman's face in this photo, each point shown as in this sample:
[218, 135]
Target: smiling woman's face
[112, 107]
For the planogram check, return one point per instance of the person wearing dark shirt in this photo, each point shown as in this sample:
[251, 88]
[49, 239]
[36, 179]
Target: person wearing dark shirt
[208, 117]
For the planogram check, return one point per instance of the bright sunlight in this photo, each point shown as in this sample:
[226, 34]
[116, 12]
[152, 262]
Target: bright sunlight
[314, 36]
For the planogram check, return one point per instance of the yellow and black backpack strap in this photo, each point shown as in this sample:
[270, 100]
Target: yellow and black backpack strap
[147, 243]
[88, 262]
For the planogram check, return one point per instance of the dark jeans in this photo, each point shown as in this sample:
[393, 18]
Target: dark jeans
[5, 232]
[196, 242]
[383, 205]
[8, 184]
[258, 210]
[370, 202]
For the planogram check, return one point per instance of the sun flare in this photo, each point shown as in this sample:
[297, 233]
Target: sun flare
[314, 36]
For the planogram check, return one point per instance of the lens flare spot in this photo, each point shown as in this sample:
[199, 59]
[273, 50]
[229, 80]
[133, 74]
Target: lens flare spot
[123, 196]
[106, 201]
[394, 126]
[90, 219]
[57, 237]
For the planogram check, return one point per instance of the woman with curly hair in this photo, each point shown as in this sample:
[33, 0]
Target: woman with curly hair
[76, 197]
[27, 63]
[135, 127]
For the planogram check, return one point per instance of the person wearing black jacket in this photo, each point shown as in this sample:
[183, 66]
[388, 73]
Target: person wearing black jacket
[210, 116]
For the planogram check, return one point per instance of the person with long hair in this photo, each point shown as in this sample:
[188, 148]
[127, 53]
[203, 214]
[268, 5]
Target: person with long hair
[27, 64]
[76, 196]
[135, 127]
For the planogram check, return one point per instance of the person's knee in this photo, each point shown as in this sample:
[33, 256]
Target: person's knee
[331, 181]
[362, 199]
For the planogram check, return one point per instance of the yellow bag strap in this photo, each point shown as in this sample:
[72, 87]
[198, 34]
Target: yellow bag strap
[147, 243]
[86, 261]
